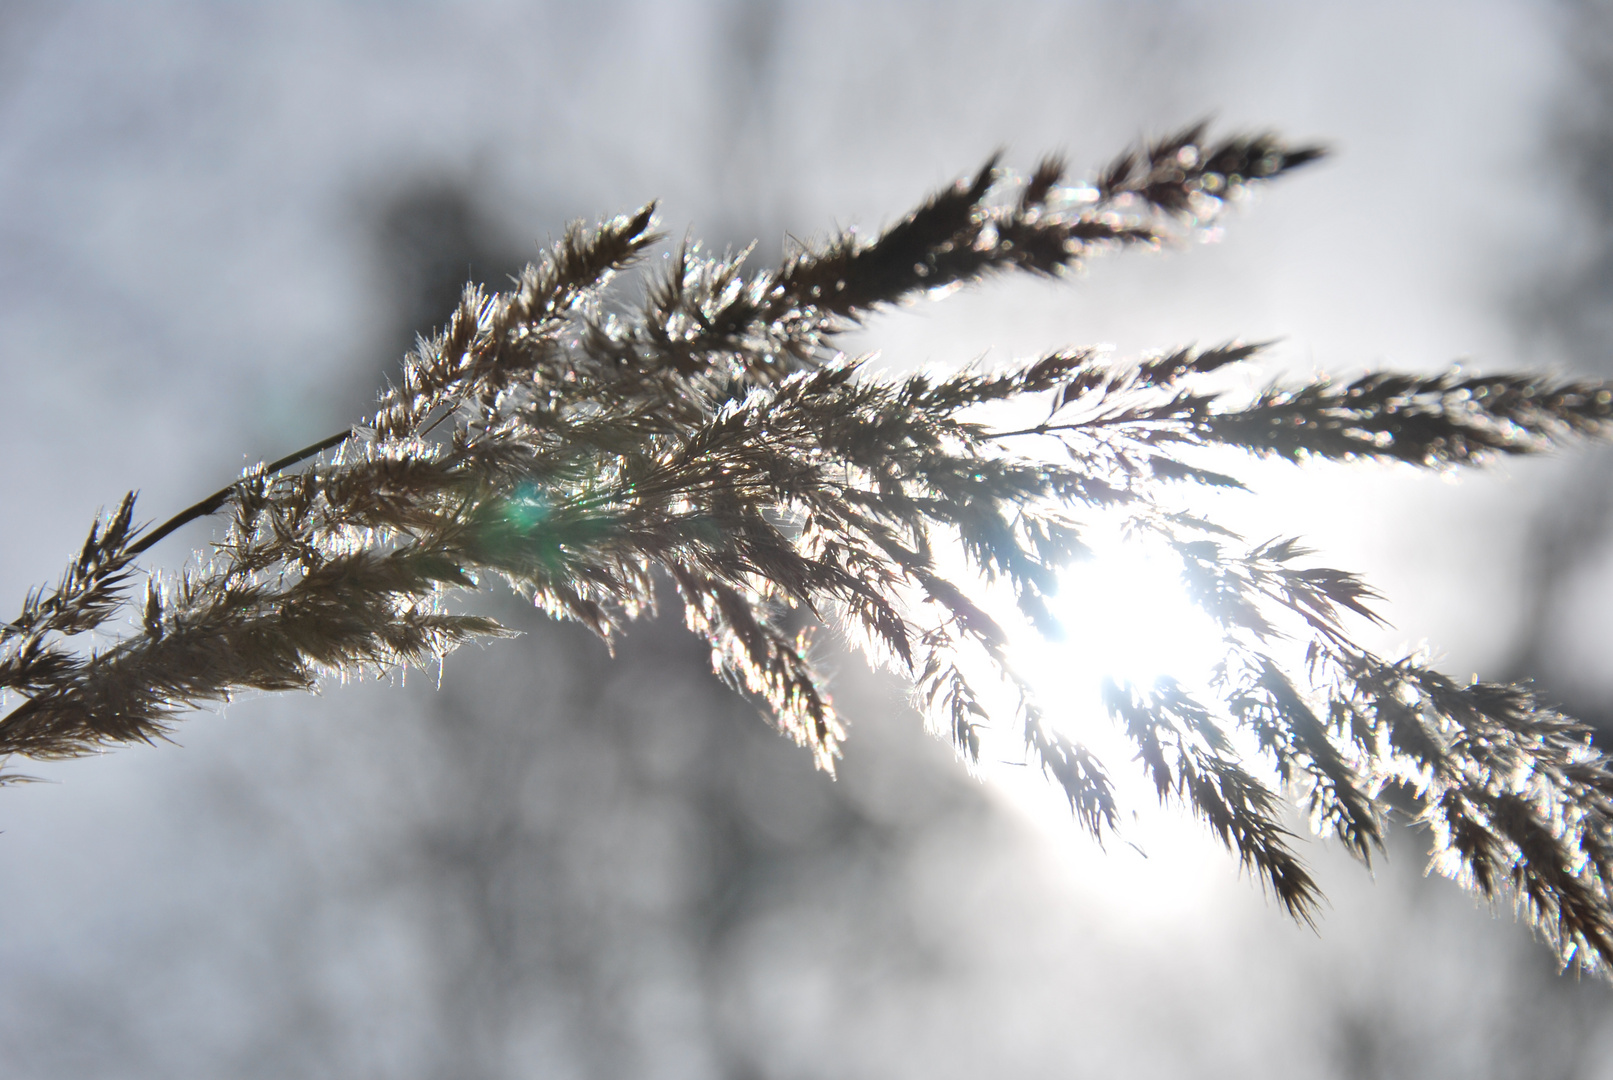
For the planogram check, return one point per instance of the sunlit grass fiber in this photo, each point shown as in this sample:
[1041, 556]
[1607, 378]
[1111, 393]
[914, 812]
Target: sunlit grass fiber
[710, 438]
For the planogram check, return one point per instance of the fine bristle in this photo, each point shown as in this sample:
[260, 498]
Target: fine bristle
[579, 449]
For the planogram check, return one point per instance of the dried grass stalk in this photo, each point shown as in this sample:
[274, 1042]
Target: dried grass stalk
[574, 447]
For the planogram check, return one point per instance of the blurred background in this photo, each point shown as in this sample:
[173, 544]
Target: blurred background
[222, 224]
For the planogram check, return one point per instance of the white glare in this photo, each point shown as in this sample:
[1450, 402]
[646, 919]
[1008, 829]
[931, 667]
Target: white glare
[1127, 618]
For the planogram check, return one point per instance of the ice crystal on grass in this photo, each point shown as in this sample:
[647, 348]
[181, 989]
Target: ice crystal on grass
[712, 437]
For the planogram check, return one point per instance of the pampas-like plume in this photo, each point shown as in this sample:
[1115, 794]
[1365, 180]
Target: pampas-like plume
[578, 448]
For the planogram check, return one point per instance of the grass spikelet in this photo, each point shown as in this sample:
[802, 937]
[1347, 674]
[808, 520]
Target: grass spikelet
[579, 448]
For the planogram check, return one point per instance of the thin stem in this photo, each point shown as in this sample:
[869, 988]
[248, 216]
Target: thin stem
[1039, 429]
[214, 502]
[1157, 421]
[1098, 422]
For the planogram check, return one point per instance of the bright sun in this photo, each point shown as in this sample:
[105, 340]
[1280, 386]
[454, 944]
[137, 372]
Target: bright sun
[1127, 618]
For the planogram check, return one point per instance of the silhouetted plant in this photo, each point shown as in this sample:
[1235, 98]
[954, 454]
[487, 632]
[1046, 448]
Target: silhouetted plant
[577, 447]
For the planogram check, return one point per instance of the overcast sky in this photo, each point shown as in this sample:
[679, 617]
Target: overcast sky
[219, 223]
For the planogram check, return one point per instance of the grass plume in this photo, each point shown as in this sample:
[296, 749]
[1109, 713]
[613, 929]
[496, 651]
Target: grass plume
[579, 448]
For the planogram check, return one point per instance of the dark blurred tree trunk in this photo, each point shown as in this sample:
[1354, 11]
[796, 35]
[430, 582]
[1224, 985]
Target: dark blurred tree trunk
[1573, 310]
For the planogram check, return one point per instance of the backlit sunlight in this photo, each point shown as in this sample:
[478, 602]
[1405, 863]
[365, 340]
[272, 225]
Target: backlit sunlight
[1125, 617]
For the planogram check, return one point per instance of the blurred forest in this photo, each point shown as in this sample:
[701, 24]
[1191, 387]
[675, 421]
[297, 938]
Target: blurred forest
[222, 225]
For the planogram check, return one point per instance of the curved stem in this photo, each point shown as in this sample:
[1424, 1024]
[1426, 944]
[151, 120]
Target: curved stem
[214, 502]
